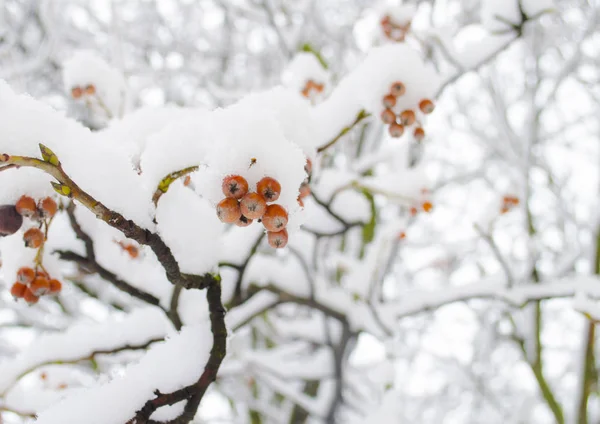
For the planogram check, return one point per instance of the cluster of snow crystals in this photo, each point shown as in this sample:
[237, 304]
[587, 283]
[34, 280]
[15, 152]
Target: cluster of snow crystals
[302, 68]
[365, 87]
[98, 169]
[499, 15]
[168, 366]
[189, 226]
[85, 69]
[83, 339]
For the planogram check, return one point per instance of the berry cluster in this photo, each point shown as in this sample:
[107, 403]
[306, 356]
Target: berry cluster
[241, 207]
[399, 121]
[78, 92]
[394, 31]
[425, 204]
[312, 89]
[35, 282]
[508, 202]
[32, 284]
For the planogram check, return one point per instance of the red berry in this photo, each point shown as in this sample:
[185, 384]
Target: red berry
[76, 92]
[253, 206]
[10, 220]
[30, 297]
[419, 134]
[275, 218]
[90, 89]
[388, 116]
[243, 221]
[33, 238]
[55, 286]
[228, 210]
[389, 101]
[277, 240]
[269, 188]
[40, 286]
[25, 275]
[18, 290]
[234, 186]
[407, 117]
[396, 130]
[26, 206]
[397, 89]
[426, 106]
[48, 207]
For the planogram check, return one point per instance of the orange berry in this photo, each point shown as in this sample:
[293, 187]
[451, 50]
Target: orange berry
[308, 166]
[388, 116]
[427, 206]
[40, 286]
[132, 250]
[26, 206]
[90, 89]
[275, 218]
[407, 117]
[413, 211]
[243, 221]
[419, 134]
[269, 188]
[18, 290]
[396, 130]
[300, 201]
[504, 209]
[187, 180]
[385, 20]
[25, 275]
[277, 240]
[228, 210]
[511, 200]
[319, 87]
[304, 190]
[55, 286]
[306, 92]
[401, 235]
[234, 186]
[426, 106]
[29, 297]
[397, 89]
[48, 207]
[33, 238]
[43, 274]
[389, 101]
[253, 206]
[76, 92]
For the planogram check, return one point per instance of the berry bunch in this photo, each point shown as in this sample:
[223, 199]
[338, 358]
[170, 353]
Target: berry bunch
[77, 92]
[32, 284]
[394, 31]
[398, 121]
[241, 207]
[508, 202]
[312, 89]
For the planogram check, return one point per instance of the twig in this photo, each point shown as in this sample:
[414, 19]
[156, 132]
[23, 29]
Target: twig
[361, 115]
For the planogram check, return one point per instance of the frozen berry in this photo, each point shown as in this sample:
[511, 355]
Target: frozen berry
[427, 206]
[253, 206]
[389, 101]
[304, 190]
[234, 186]
[407, 117]
[18, 290]
[269, 188]
[396, 130]
[388, 116]
[275, 218]
[132, 251]
[413, 211]
[40, 286]
[33, 238]
[277, 240]
[187, 180]
[511, 200]
[419, 134]
[48, 207]
[308, 166]
[385, 20]
[55, 286]
[42, 274]
[90, 89]
[228, 210]
[504, 209]
[397, 89]
[29, 297]
[26, 206]
[25, 275]
[76, 92]
[426, 106]
[401, 235]
[10, 220]
[300, 201]
[243, 221]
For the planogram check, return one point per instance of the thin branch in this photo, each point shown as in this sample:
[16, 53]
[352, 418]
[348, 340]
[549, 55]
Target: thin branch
[359, 117]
